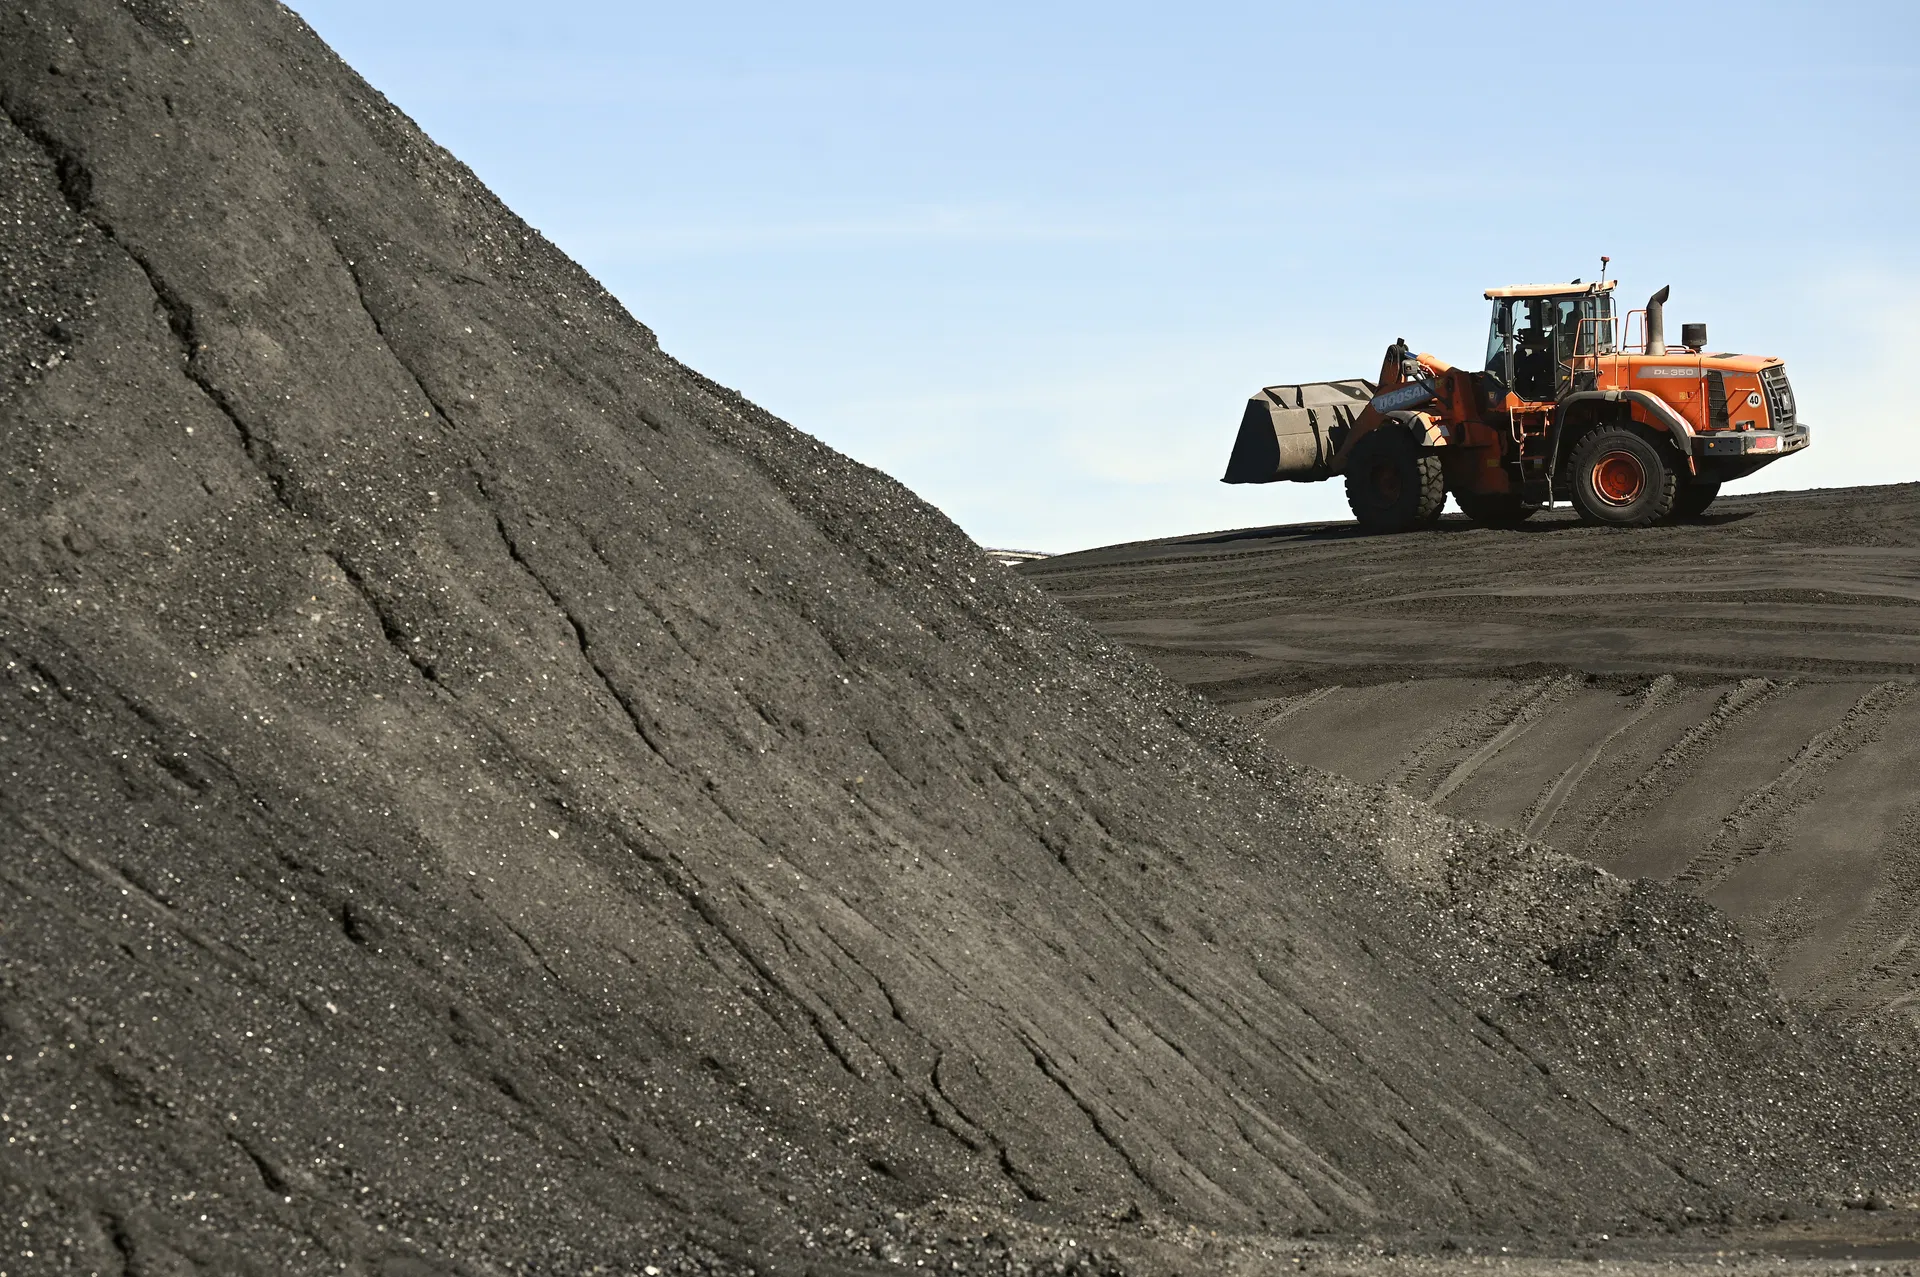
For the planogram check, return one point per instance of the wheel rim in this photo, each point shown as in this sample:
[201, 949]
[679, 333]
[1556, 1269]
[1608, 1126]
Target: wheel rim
[1619, 478]
[1386, 482]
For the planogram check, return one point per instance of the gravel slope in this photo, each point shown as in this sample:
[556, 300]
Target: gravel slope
[480, 797]
[1726, 704]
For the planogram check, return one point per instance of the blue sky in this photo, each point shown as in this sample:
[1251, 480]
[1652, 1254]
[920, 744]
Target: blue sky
[1032, 258]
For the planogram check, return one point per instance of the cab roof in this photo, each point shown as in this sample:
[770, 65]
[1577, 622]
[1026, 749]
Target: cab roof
[1550, 290]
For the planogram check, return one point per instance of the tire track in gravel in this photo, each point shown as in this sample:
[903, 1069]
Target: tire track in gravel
[1479, 732]
[1876, 964]
[1294, 705]
[1541, 815]
[1884, 978]
[1531, 712]
[1669, 771]
[1750, 829]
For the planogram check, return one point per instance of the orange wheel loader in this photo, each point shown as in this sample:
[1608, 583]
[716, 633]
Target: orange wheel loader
[1630, 433]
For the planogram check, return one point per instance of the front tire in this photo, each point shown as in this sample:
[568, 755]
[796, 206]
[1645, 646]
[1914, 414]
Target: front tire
[1623, 479]
[1392, 486]
[1694, 497]
[1495, 509]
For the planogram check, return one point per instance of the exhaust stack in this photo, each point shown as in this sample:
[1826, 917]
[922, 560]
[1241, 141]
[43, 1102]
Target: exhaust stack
[1657, 321]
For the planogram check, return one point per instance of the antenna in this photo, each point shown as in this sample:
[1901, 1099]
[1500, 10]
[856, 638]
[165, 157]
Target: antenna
[1604, 259]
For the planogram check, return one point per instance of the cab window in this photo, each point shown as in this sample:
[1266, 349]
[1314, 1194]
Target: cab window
[1496, 343]
[1587, 323]
[1597, 309]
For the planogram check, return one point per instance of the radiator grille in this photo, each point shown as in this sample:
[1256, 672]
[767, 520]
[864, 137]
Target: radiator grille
[1716, 401]
[1779, 396]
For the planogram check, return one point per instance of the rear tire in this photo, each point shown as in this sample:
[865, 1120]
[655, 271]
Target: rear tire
[1694, 497]
[1495, 509]
[1622, 478]
[1392, 486]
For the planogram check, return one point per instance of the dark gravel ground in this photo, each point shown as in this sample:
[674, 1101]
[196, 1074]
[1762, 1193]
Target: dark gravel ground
[1726, 703]
[1821, 585]
[480, 798]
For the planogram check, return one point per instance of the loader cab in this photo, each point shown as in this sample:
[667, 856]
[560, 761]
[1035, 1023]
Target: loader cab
[1544, 339]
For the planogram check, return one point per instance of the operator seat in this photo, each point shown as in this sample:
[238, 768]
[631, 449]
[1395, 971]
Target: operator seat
[1533, 364]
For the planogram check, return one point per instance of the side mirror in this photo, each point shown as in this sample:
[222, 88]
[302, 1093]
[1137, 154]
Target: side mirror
[1504, 317]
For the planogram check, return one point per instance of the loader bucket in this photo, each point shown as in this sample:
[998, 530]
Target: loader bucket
[1292, 432]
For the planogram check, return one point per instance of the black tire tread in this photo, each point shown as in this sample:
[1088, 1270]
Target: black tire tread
[1433, 489]
[1428, 481]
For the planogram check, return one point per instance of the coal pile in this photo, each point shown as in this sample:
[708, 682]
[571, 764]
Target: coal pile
[1724, 703]
[480, 797]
